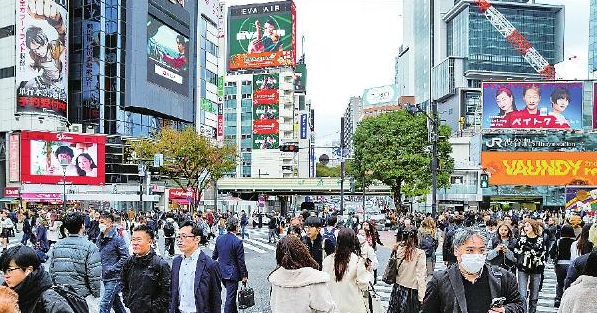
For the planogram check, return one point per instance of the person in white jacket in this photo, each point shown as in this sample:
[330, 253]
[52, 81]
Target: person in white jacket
[368, 254]
[350, 276]
[297, 285]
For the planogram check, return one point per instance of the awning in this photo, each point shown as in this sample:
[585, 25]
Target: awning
[41, 197]
[9, 200]
[181, 201]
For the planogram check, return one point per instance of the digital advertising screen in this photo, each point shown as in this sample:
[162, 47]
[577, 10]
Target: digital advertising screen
[167, 57]
[540, 168]
[41, 71]
[300, 78]
[581, 198]
[266, 110]
[532, 105]
[42, 154]
[261, 35]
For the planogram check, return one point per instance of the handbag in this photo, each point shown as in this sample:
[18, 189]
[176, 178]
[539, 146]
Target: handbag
[389, 275]
[246, 297]
[373, 300]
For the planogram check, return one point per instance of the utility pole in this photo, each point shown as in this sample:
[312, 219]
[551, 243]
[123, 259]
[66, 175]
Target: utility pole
[342, 166]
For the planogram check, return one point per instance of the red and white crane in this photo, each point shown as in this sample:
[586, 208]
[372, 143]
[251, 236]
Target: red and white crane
[516, 39]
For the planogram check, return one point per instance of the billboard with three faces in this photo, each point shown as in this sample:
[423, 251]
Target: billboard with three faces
[262, 35]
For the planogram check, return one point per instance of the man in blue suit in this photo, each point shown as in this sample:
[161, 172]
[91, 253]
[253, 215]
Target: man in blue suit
[196, 280]
[230, 253]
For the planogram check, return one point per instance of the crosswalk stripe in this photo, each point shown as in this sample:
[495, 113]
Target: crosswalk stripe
[255, 242]
[251, 247]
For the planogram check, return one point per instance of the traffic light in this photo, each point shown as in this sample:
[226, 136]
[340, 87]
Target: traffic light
[289, 148]
[484, 181]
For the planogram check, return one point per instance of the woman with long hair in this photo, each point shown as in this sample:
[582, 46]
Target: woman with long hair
[582, 245]
[409, 290]
[428, 240]
[349, 274]
[502, 248]
[297, 284]
[530, 252]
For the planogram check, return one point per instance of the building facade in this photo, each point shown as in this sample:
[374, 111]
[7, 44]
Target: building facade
[593, 40]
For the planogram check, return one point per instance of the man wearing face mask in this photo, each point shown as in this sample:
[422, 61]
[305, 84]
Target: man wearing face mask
[471, 285]
[114, 252]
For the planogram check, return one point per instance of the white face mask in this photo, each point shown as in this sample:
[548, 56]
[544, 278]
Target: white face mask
[102, 227]
[472, 263]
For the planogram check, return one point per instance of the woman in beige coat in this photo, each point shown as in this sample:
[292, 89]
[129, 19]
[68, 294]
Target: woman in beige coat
[579, 298]
[297, 285]
[409, 290]
[349, 273]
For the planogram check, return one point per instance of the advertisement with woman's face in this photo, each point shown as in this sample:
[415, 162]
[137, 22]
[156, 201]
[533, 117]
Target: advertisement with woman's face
[49, 156]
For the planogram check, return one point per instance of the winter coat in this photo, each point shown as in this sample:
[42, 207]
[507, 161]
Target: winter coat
[114, 253]
[412, 274]
[304, 290]
[37, 284]
[54, 231]
[317, 248]
[347, 293]
[146, 283]
[76, 261]
[445, 290]
[93, 231]
[575, 269]
[584, 288]
[41, 237]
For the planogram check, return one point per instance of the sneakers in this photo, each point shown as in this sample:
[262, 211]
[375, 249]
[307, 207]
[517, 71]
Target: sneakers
[556, 303]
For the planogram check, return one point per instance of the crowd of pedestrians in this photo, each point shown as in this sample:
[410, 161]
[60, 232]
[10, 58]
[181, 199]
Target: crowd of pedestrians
[496, 262]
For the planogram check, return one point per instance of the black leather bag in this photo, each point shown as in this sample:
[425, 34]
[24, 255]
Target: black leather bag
[246, 297]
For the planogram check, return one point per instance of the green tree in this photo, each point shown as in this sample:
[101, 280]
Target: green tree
[393, 148]
[327, 171]
[191, 160]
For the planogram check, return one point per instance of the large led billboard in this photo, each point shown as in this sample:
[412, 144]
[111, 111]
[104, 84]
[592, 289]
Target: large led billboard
[167, 57]
[261, 35]
[43, 152]
[266, 112]
[528, 105]
[546, 142]
[540, 168]
[377, 96]
[42, 57]
[581, 198]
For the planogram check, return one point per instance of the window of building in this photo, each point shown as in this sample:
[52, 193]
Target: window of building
[7, 72]
[7, 31]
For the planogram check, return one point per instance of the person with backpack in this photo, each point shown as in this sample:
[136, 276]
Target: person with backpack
[428, 242]
[145, 276]
[170, 229]
[24, 274]
[329, 232]
[456, 222]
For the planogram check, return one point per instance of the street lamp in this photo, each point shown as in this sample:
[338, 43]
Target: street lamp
[413, 109]
[64, 163]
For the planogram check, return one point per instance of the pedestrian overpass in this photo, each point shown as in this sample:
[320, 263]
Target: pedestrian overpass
[295, 186]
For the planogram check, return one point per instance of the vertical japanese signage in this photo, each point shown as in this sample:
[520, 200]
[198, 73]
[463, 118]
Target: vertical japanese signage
[42, 56]
[300, 78]
[266, 111]
[14, 156]
[262, 35]
[220, 120]
[303, 126]
[91, 60]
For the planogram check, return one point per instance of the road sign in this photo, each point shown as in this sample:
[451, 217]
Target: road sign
[158, 160]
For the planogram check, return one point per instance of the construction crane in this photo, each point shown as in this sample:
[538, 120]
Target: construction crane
[516, 39]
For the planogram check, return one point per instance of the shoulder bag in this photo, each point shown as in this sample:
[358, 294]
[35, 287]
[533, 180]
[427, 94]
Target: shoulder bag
[389, 275]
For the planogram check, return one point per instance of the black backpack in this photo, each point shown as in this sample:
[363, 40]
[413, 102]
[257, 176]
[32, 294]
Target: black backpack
[428, 244]
[75, 301]
[169, 229]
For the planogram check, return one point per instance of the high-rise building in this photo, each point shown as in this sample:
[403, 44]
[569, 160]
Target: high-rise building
[593, 40]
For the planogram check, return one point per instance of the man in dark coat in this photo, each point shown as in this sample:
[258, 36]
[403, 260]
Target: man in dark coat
[471, 285]
[230, 254]
[196, 280]
[145, 276]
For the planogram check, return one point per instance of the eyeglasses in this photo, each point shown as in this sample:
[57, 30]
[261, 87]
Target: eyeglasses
[9, 270]
[183, 236]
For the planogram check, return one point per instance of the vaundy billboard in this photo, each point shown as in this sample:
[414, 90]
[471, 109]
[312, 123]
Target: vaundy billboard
[532, 105]
[540, 168]
[262, 35]
[42, 57]
[43, 152]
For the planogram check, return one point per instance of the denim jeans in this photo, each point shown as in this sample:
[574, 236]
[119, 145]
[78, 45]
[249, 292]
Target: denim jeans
[561, 271]
[243, 231]
[111, 298]
[530, 299]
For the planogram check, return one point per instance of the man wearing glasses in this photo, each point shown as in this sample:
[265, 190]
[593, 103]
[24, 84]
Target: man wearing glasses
[196, 278]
